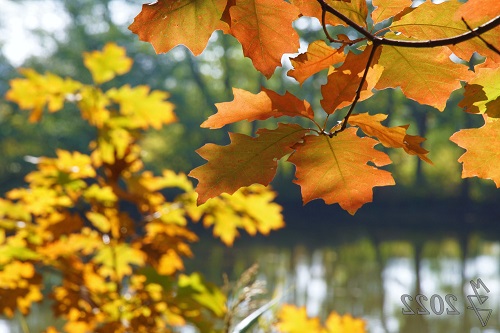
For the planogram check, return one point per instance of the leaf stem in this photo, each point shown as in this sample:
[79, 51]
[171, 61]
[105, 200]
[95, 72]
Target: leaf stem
[358, 91]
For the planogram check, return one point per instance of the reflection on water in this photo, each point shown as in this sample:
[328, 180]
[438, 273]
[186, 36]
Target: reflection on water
[364, 268]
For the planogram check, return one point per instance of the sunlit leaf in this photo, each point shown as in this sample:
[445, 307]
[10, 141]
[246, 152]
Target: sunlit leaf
[142, 108]
[356, 10]
[391, 137]
[36, 91]
[336, 170]
[482, 93]
[205, 294]
[343, 83]
[429, 77]
[388, 8]
[436, 21]
[264, 105]
[245, 161]
[117, 260]
[264, 29]
[106, 64]
[166, 23]
[292, 319]
[483, 151]
[319, 56]
[251, 209]
[336, 323]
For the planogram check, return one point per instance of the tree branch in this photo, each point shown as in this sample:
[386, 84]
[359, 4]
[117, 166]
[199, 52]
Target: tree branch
[489, 45]
[358, 91]
[408, 43]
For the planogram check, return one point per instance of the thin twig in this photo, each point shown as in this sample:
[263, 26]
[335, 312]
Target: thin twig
[409, 43]
[323, 23]
[327, 34]
[489, 45]
[358, 92]
[326, 120]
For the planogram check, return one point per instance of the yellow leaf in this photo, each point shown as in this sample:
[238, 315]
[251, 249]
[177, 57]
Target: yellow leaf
[336, 323]
[99, 221]
[205, 294]
[106, 64]
[294, 320]
[103, 195]
[76, 164]
[169, 263]
[250, 208]
[116, 260]
[36, 91]
[93, 105]
[142, 108]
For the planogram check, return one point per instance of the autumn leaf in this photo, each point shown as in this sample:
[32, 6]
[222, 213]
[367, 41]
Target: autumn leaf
[336, 323]
[106, 64]
[335, 169]
[264, 105]
[478, 11]
[388, 8]
[249, 208]
[167, 23]
[482, 157]
[295, 320]
[429, 77]
[245, 161]
[143, 108]
[264, 29]
[391, 137]
[20, 286]
[116, 260]
[319, 56]
[202, 292]
[482, 91]
[356, 10]
[36, 91]
[343, 82]
[431, 21]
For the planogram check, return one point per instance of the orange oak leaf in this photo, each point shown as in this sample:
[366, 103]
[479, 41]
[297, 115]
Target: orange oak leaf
[264, 105]
[427, 77]
[264, 29]
[343, 82]
[482, 157]
[388, 8]
[318, 57]
[482, 91]
[391, 137]
[336, 170]
[245, 161]
[168, 23]
[436, 21]
[356, 10]
[478, 11]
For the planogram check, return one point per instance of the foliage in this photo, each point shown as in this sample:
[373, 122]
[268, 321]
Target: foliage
[295, 320]
[392, 46]
[116, 234]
